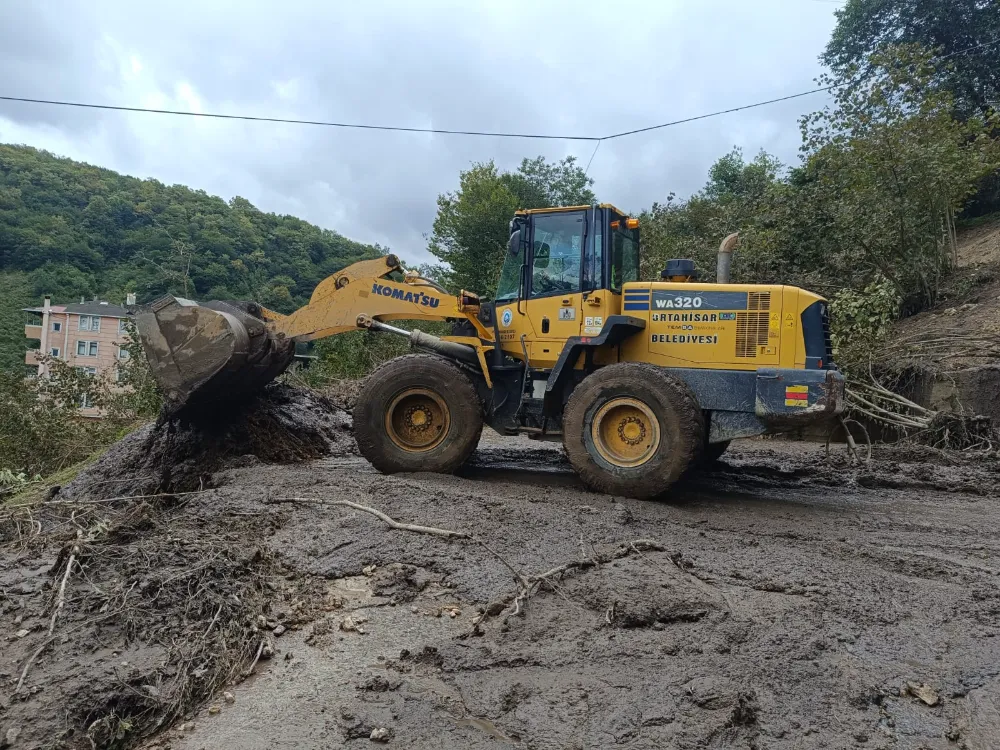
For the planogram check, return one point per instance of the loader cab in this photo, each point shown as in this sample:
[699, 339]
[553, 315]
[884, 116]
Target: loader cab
[562, 276]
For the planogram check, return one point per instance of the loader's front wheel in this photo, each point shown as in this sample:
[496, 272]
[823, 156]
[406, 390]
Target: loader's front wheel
[417, 413]
[632, 429]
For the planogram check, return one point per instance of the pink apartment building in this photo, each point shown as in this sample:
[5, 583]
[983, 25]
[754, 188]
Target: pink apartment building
[85, 335]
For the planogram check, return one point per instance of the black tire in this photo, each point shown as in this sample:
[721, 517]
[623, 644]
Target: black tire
[713, 452]
[451, 416]
[680, 427]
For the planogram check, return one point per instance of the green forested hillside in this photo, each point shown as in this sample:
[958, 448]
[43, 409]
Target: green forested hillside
[73, 230]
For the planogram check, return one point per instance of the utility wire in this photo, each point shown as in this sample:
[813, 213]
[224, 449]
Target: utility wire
[716, 114]
[774, 101]
[323, 123]
[441, 131]
[587, 170]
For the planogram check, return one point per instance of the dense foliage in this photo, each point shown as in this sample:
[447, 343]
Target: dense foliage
[471, 228]
[868, 216]
[966, 32]
[72, 230]
[41, 430]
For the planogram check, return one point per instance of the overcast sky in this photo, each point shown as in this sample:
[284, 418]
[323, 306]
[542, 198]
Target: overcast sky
[538, 66]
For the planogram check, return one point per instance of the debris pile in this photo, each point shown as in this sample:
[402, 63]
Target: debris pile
[281, 425]
[138, 591]
[947, 430]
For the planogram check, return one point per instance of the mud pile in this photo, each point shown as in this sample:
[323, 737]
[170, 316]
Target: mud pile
[281, 425]
[131, 596]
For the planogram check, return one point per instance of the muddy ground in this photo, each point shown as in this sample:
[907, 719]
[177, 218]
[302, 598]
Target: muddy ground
[779, 600]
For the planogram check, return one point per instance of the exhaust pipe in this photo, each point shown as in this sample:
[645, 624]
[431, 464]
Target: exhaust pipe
[726, 257]
[423, 340]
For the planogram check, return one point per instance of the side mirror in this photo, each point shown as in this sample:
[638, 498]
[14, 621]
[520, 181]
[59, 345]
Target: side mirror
[514, 243]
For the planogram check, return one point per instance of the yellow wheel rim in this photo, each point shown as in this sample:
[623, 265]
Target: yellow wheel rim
[417, 420]
[625, 432]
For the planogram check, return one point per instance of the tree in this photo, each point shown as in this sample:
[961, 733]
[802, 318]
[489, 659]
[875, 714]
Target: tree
[539, 184]
[77, 230]
[866, 218]
[967, 32]
[894, 165]
[732, 200]
[472, 224]
[15, 291]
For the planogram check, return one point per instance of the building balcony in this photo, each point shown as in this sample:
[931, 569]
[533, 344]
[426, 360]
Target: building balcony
[32, 332]
[32, 357]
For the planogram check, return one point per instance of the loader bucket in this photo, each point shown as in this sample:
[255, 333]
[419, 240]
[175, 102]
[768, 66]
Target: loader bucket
[201, 355]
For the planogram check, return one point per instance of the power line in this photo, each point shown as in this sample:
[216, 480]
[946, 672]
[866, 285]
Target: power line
[587, 170]
[397, 128]
[290, 121]
[442, 131]
[775, 101]
[716, 114]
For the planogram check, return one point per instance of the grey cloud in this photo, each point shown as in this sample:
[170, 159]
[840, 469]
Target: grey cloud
[524, 66]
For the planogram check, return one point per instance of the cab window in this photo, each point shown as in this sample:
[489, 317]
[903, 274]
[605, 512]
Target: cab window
[557, 247]
[624, 256]
[510, 276]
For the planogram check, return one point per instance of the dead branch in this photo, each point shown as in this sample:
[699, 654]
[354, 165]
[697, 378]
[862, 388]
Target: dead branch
[390, 522]
[884, 415]
[212, 623]
[106, 500]
[394, 524]
[516, 601]
[888, 395]
[61, 599]
[31, 660]
[260, 650]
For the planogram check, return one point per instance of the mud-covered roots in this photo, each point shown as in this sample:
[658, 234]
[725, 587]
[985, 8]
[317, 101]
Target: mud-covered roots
[959, 432]
[195, 601]
[155, 595]
[281, 425]
[162, 600]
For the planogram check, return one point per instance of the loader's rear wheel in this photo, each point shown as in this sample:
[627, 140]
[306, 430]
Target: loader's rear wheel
[417, 413]
[632, 429]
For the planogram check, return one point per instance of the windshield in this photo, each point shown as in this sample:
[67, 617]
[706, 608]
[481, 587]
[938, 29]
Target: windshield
[558, 251]
[624, 257]
[510, 276]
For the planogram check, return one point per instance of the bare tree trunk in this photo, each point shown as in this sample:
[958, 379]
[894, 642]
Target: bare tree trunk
[953, 236]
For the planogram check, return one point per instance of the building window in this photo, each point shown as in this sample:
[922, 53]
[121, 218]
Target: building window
[122, 325]
[54, 351]
[86, 348]
[57, 327]
[123, 353]
[30, 372]
[92, 371]
[90, 323]
[85, 401]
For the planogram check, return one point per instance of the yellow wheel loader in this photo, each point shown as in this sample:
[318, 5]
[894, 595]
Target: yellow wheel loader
[638, 379]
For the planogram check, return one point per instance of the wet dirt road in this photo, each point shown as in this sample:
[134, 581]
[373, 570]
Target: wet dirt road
[778, 602]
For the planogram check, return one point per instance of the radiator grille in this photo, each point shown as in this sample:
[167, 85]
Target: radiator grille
[751, 332]
[827, 341]
[759, 301]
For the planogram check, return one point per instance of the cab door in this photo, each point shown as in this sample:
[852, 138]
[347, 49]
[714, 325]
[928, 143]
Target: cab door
[553, 304]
